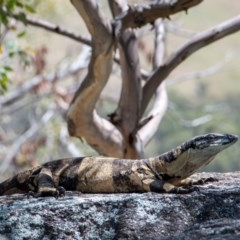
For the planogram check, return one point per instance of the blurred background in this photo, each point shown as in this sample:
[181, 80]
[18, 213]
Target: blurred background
[45, 69]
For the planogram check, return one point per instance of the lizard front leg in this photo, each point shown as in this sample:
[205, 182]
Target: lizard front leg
[191, 182]
[44, 184]
[161, 186]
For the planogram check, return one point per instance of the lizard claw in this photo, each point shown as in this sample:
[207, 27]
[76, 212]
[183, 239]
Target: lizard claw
[210, 179]
[32, 194]
[205, 180]
[185, 189]
[59, 192]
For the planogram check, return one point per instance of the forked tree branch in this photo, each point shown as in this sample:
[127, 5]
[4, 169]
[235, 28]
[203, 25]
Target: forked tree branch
[127, 115]
[82, 119]
[199, 41]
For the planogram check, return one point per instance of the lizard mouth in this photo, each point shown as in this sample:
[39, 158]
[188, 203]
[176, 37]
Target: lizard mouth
[230, 139]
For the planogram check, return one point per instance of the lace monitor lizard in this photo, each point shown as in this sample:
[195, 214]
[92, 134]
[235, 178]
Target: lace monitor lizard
[167, 172]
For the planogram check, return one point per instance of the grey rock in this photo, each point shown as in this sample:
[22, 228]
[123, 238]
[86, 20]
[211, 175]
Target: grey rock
[211, 213]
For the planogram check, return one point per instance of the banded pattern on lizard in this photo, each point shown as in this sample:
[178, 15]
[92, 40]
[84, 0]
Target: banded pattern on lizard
[167, 172]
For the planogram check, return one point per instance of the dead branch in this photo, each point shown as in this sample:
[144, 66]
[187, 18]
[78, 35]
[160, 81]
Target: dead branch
[54, 28]
[43, 24]
[32, 83]
[197, 121]
[156, 114]
[177, 30]
[199, 41]
[20, 91]
[202, 73]
[141, 14]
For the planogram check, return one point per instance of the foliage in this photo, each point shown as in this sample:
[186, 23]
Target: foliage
[4, 76]
[8, 7]
[10, 49]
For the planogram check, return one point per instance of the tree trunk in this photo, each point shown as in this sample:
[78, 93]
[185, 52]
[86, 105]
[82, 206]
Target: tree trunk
[130, 127]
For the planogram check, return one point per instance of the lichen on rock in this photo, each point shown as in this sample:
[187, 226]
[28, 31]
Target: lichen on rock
[211, 213]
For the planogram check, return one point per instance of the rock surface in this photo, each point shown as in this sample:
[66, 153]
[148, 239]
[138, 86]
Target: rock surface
[211, 213]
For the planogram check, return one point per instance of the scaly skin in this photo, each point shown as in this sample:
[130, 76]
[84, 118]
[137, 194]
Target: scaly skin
[164, 173]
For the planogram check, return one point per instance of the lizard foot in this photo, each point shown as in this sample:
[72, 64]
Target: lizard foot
[59, 192]
[202, 181]
[184, 189]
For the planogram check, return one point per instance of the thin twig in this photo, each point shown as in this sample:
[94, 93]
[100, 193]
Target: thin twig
[72, 149]
[54, 28]
[173, 28]
[12, 151]
[200, 74]
[80, 63]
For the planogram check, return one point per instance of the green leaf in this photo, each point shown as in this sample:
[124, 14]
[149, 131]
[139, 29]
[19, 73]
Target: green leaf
[30, 8]
[24, 57]
[11, 54]
[4, 81]
[10, 5]
[21, 34]
[22, 17]
[19, 4]
[3, 17]
[8, 69]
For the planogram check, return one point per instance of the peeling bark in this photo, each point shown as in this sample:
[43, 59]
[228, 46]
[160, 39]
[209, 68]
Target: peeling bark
[83, 121]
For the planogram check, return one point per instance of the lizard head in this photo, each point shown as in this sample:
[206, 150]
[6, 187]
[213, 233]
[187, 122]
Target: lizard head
[213, 142]
[201, 150]
[187, 158]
